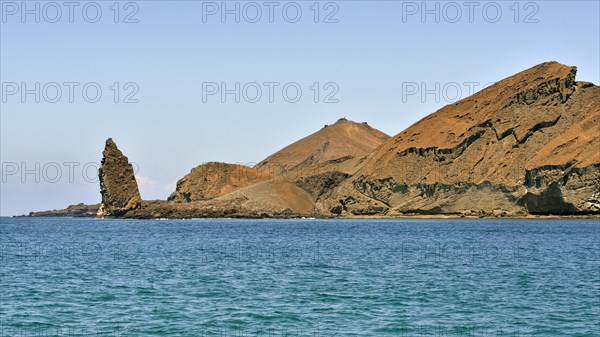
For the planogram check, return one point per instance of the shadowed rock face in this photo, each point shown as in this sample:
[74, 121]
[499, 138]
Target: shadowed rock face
[118, 186]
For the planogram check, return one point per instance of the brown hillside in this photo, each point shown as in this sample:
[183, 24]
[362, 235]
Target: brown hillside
[344, 138]
[477, 154]
[492, 135]
[338, 142]
[210, 180]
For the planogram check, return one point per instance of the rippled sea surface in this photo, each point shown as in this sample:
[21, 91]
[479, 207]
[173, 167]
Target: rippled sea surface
[93, 277]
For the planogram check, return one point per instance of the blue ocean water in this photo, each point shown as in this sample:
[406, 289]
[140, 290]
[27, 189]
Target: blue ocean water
[94, 277]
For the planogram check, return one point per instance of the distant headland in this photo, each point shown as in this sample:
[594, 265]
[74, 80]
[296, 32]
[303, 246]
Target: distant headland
[527, 145]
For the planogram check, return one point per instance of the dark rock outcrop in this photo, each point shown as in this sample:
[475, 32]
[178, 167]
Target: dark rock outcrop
[319, 184]
[118, 186]
[563, 190]
[76, 211]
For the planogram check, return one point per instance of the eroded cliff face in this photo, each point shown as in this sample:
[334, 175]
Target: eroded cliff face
[562, 190]
[528, 144]
[118, 186]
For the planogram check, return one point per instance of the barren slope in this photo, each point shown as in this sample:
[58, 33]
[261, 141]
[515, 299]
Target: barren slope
[344, 138]
[498, 150]
[210, 180]
[332, 144]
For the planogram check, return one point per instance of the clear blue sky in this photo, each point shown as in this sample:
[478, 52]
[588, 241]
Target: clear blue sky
[370, 54]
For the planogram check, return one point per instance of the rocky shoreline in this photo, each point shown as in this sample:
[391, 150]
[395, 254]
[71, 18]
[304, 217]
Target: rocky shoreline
[91, 211]
[525, 147]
